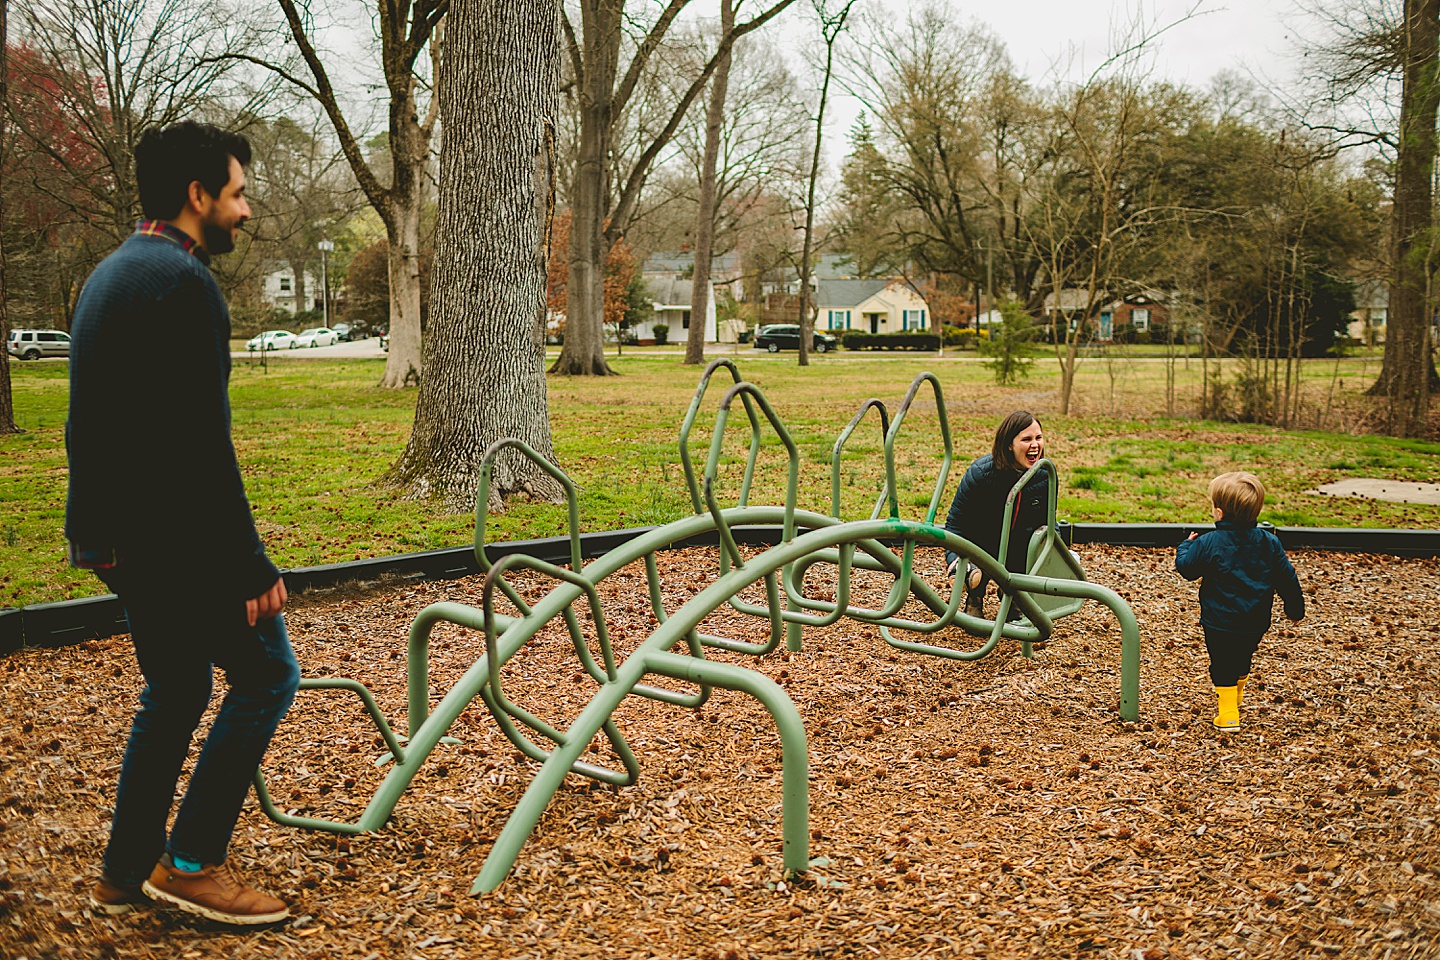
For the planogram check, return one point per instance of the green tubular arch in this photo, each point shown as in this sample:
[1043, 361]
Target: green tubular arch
[840, 442]
[943, 417]
[482, 507]
[687, 618]
[688, 465]
[1052, 484]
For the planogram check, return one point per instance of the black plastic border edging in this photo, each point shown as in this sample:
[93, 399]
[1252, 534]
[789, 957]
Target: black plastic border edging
[74, 621]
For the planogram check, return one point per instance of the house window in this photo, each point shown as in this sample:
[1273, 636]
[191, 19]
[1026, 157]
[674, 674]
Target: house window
[839, 320]
[284, 284]
[1140, 317]
[912, 319]
[685, 320]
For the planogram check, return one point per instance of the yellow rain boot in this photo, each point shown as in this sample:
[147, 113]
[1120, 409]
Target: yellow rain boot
[1227, 716]
[1240, 691]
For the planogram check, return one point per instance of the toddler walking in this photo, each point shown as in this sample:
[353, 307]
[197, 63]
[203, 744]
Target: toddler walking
[1240, 568]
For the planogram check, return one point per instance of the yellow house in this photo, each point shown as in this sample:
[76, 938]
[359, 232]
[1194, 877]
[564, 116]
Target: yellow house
[870, 306]
[1372, 307]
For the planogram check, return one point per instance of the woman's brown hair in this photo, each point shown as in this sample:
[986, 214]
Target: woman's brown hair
[1003, 453]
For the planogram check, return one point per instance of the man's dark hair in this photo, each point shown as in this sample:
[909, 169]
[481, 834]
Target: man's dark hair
[168, 160]
[1003, 453]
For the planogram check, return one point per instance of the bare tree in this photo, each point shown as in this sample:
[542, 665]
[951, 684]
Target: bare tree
[406, 31]
[117, 68]
[601, 216]
[758, 156]
[1093, 219]
[946, 181]
[7, 401]
[1408, 365]
[302, 193]
[832, 15]
[1380, 52]
[498, 103]
[705, 217]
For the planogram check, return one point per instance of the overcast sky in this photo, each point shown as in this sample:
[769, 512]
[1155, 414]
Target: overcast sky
[1070, 38]
[1238, 34]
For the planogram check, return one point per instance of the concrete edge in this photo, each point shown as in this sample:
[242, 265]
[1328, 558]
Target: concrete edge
[74, 621]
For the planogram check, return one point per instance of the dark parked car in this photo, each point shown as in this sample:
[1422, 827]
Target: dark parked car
[786, 336]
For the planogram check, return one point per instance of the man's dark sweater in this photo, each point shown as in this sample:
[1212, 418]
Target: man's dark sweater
[153, 472]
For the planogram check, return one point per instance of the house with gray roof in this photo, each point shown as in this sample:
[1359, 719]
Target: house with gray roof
[875, 305]
[670, 298]
[1372, 309]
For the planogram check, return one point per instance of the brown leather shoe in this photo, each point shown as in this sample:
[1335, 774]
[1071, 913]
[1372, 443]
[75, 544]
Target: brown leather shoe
[114, 899]
[214, 892]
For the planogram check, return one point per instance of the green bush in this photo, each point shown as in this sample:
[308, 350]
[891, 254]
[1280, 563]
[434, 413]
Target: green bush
[859, 340]
[662, 333]
[1011, 345]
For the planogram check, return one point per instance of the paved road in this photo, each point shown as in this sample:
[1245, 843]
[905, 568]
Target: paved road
[354, 350]
[370, 350]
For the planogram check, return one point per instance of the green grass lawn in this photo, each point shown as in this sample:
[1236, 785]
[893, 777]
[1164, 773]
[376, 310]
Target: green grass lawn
[314, 435]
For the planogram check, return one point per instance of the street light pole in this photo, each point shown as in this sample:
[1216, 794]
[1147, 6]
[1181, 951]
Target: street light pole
[325, 247]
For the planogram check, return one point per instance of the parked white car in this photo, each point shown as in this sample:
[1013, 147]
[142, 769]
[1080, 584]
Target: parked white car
[316, 337]
[34, 344]
[272, 340]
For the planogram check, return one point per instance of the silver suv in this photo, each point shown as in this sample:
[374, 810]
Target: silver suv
[34, 344]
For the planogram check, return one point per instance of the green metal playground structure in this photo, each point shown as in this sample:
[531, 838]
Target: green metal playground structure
[1052, 587]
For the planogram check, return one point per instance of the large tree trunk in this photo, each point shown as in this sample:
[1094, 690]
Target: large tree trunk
[410, 147]
[1408, 368]
[297, 267]
[405, 30]
[485, 352]
[7, 404]
[705, 221]
[830, 29]
[584, 350]
[403, 362]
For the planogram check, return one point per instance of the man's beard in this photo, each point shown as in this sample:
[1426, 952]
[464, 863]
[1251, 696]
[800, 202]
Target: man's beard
[218, 239]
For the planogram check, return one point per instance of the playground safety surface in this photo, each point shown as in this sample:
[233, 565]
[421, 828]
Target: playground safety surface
[996, 808]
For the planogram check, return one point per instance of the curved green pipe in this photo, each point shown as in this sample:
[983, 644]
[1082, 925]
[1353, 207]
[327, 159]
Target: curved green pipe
[600, 708]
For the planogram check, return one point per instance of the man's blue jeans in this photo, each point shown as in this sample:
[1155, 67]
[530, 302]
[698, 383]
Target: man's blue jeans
[179, 638]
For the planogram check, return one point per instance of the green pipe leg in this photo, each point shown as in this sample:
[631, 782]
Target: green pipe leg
[794, 749]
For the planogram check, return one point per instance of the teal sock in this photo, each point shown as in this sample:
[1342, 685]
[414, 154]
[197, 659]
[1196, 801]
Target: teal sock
[188, 866]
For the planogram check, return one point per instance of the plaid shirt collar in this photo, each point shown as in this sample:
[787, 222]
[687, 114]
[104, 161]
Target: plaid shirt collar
[159, 228]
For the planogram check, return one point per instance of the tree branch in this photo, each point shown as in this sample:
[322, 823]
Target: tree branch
[577, 62]
[274, 68]
[323, 92]
[626, 202]
[642, 54]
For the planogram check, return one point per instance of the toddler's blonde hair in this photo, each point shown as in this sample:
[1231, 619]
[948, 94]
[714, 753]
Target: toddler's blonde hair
[1239, 495]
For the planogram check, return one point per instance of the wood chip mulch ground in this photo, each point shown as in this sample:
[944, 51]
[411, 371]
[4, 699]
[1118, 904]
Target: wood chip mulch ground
[998, 808]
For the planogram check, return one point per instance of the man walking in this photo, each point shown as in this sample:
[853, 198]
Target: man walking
[157, 508]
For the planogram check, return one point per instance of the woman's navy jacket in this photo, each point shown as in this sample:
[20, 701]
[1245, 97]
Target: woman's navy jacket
[978, 510]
